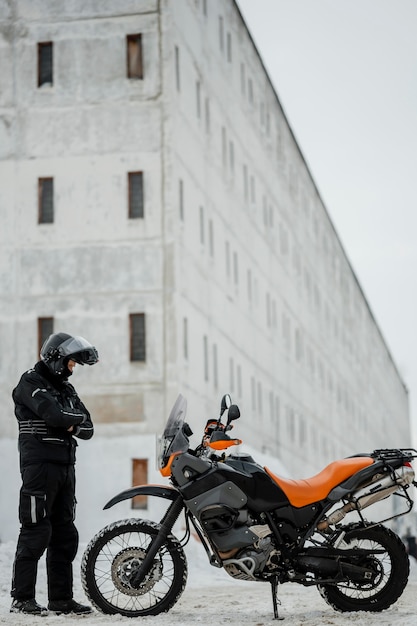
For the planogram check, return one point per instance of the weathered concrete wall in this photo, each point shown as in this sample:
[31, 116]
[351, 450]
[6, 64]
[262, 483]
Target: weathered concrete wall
[273, 292]
[92, 266]
[245, 257]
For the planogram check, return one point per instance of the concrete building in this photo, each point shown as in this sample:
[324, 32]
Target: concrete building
[154, 200]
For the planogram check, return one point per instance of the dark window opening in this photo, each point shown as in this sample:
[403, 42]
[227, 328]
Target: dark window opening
[137, 337]
[45, 328]
[177, 68]
[45, 64]
[139, 477]
[45, 200]
[135, 194]
[134, 56]
[181, 199]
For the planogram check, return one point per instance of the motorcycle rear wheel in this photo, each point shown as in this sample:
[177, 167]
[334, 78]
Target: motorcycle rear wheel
[115, 553]
[392, 567]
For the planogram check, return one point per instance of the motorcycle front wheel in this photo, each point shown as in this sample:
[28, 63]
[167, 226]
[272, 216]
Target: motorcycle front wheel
[116, 553]
[390, 565]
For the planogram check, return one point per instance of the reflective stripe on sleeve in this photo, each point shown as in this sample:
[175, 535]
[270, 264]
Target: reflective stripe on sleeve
[36, 391]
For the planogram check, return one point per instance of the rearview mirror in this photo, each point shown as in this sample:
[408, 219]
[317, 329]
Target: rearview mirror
[225, 404]
[233, 413]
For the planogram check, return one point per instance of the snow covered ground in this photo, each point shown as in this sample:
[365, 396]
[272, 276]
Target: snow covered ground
[212, 597]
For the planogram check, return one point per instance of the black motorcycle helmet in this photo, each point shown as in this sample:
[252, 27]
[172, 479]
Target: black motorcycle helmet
[59, 348]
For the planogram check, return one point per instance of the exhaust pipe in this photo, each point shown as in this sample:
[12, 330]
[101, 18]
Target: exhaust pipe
[378, 490]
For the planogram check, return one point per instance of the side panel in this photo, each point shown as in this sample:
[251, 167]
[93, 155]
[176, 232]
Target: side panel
[261, 492]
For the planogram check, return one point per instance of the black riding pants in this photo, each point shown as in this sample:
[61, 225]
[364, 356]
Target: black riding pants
[46, 513]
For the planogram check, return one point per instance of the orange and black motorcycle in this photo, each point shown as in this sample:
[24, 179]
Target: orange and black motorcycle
[255, 525]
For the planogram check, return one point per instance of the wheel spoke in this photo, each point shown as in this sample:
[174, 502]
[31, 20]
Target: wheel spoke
[383, 564]
[384, 557]
[117, 554]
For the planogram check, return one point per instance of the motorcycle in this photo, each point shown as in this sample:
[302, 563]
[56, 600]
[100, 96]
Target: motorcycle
[255, 525]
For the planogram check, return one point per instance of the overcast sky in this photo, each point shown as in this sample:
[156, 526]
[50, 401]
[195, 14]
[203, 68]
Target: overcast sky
[345, 72]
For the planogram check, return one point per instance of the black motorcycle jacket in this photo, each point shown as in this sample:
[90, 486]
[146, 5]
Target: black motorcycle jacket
[46, 406]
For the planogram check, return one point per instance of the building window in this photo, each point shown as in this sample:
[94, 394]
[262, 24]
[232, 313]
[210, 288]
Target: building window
[211, 238]
[137, 337]
[202, 237]
[181, 199]
[206, 365]
[232, 375]
[215, 369]
[221, 33]
[207, 114]
[291, 417]
[185, 337]
[302, 432]
[268, 310]
[198, 98]
[232, 156]
[139, 477]
[271, 406]
[227, 258]
[250, 90]
[242, 79]
[274, 314]
[277, 411]
[298, 344]
[135, 180]
[45, 63]
[235, 268]
[134, 56]
[265, 210]
[283, 242]
[177, 68]
[249, 275]
[260, 398]
[239, 380]
[45, 328]
[252, 190]
[45, 200]
[245, 183]
[224, 147]
[229, 47]
[253, 392]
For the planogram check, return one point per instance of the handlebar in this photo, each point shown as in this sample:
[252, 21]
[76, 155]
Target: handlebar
[215, 436]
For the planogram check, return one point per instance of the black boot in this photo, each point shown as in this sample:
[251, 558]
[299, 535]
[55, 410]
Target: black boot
[30, 607]
[69, 606]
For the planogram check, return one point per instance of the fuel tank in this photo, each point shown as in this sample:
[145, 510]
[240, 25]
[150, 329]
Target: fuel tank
[197, 476]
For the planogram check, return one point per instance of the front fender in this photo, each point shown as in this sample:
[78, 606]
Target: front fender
[160, 491]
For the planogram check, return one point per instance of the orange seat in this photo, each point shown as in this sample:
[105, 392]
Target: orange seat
[309, 490]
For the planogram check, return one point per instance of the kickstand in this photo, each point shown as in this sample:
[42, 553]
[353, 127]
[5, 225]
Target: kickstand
[275, 601]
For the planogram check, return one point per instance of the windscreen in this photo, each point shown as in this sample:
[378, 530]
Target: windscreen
[173, 439]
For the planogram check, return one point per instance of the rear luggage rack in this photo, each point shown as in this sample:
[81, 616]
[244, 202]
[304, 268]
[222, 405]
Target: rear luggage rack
[388, 454]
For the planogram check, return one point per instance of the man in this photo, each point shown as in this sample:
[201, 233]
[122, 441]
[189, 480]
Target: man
[49, 414]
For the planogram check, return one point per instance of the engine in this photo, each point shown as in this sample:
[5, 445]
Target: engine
[251, 561]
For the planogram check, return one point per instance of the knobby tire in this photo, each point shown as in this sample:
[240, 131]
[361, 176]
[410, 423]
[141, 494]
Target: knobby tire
[393, 567]
[113, 555]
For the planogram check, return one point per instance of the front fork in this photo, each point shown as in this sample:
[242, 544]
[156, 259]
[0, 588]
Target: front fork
[157, 542]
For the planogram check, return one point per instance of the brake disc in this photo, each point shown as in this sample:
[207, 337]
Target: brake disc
[125, 564]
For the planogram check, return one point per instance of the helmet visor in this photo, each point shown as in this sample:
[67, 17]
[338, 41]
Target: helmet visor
[79, 350]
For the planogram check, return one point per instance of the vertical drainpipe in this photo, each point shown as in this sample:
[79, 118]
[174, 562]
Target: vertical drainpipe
[15, 156]
[163, 238]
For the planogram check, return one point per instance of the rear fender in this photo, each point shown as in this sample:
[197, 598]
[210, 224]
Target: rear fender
[160, 491]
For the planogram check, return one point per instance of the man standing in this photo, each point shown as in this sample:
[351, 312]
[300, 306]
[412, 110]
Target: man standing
[49, 414]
